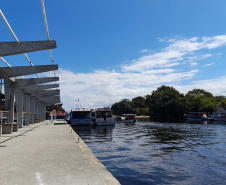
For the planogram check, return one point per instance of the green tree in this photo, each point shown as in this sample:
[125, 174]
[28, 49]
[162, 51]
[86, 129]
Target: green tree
[122, 107]
[199, 100]
[223, 104]
[199, 92]
[219, 99]
[142, 111]
[138, 102]
[166, 102]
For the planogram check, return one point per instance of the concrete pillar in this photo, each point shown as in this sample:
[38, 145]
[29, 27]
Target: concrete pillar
[32, 109]
[36, 109]
[27, 108]
[43, 112]
[9, 99]
[19, 106]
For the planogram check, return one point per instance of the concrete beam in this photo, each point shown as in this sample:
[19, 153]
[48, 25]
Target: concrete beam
[46, 99]
[33, 81]
[44, 92]
[51, 102]
[8, 72]
[47, 95]
[13, 48]
[38, 88]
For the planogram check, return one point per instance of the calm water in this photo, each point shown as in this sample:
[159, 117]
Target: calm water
[160, 153]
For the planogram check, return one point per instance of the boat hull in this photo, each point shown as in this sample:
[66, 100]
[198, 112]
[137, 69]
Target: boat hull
[218, 118]
[80, 122]
[128, 121]
[101, 121]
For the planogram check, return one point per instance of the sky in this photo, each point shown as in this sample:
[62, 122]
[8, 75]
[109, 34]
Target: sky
[111, 50]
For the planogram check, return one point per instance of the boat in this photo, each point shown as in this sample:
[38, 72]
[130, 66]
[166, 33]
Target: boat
[80, 117]
[58, 115]
[103, 116]
[196, 116]
[128, 118]
[220, 115]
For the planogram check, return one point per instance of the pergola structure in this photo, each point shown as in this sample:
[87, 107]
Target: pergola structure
[31, 95]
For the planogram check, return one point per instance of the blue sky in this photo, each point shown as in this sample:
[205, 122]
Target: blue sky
[110, 50]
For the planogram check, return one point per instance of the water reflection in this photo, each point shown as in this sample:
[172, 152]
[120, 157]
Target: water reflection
[160, 153]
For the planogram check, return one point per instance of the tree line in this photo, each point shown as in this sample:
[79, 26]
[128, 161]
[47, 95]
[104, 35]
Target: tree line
[166, 101]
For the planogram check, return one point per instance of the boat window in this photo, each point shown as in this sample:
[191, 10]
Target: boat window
[76, 115]
[102, 114]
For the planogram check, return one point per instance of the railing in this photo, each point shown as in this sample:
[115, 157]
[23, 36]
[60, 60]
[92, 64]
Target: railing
[3, 116]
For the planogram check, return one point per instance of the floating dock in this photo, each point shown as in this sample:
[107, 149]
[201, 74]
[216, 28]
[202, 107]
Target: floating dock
[48, 153]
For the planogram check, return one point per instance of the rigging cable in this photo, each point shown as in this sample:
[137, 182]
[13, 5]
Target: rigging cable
[11, 30]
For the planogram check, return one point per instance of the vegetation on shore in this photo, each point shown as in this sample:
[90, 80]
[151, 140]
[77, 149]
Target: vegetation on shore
[167, 102]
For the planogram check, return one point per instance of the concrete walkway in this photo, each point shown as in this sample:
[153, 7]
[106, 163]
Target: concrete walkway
[49, 154]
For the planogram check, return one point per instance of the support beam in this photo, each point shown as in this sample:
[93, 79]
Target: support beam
[50, 98]
[47, 95]
[33, 81]
[39, 87]
[13, 48]
[45, 92]
[52, 102]
[8, 72]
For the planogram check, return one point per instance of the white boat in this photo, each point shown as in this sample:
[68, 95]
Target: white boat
[80, 117]
[128, 118]
[196, 116]
[103, 116]
[220, 115]
[217, 116]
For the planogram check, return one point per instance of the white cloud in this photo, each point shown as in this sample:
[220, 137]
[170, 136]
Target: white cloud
[141, 76]
[144, 51]
[102, 88]
[209, 64]
[175, 53]
[216, 86]
[193, 64]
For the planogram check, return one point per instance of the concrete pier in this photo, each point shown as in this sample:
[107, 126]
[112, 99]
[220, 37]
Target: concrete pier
[46, 153]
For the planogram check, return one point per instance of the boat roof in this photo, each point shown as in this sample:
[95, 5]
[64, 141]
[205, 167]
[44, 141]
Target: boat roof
[196, 112]
[80, 110]
[103, 109]
[128, 114]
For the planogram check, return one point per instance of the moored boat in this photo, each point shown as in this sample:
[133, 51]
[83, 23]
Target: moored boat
[196, 116]
[128, 118]
[103, 116]
[80, 117]
[220, 114]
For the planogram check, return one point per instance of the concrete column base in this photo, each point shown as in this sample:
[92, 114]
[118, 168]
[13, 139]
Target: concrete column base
[37, 120]
[7, 128]
[15, 127]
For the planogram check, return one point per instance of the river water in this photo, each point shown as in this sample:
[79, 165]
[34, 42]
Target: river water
[160, 153]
